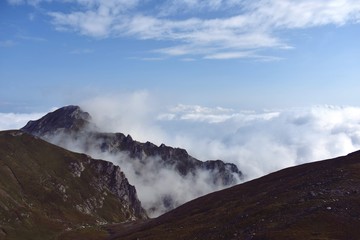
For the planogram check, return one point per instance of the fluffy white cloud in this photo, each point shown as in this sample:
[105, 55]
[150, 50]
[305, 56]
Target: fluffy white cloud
[130, 113]
[215, 29]
[262, 142]
[257, 142]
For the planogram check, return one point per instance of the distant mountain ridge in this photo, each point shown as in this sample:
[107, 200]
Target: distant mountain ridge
[46, 190]
[72, 123]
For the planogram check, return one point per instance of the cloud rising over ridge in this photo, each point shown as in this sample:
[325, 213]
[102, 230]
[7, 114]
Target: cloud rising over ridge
[258, 142]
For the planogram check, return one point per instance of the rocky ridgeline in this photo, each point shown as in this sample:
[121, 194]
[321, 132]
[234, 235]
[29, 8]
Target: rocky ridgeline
[71, 124]
[77, 123]
[222, 173]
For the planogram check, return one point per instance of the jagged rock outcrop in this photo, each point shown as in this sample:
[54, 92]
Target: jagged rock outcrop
[45, 190]
[74, 128]
[112, 178]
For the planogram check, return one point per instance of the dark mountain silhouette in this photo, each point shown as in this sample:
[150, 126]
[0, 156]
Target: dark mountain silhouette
[71, 124]
[69, 119]
[46, 190]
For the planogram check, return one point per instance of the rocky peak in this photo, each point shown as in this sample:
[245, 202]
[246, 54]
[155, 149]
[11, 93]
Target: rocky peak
[68, 119]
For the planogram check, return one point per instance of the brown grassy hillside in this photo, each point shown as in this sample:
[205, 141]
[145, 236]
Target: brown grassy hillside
[46, 190]
[319, 200]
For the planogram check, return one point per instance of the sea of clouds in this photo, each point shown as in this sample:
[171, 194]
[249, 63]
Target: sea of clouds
[258, 142]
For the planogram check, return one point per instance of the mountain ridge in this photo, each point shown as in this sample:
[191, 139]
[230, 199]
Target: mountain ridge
[66, 127]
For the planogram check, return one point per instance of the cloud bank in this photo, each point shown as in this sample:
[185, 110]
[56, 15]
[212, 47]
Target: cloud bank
[214, 29]
[263, 142]
[258, 142]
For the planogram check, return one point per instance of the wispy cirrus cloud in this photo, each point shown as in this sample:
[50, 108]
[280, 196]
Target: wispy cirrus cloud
[81, 51]
[7, 43]
[32, 38]
[218, 28]
[176, 6]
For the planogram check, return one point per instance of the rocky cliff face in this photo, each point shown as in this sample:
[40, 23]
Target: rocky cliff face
[45, 190]
[70, 126]
[112, 178]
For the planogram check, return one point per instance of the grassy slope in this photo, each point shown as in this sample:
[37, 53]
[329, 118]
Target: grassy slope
[313, 201]
[33, 202]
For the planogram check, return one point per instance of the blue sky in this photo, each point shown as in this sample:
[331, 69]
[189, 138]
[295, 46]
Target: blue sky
[234, 53]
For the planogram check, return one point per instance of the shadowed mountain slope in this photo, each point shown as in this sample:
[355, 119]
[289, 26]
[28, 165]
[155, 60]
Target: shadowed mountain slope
[68, 119]
[70, 126]
[318, 200]
[46, 190]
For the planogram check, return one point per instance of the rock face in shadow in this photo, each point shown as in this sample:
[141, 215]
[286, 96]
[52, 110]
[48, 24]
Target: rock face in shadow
[71, 124]
[112, 178]
[46, 190]
[69, 119]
